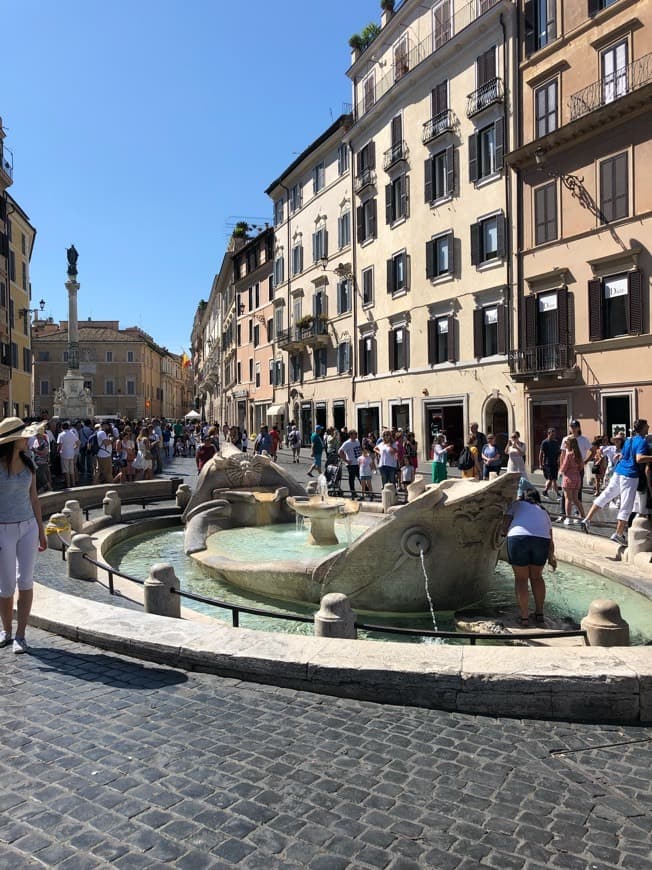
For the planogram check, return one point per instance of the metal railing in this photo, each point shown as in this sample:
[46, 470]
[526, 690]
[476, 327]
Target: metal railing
[483, 97]
[297, 334]
[364, 179]
[437, 125]
[612, 87]
[542, 358]
[237, 609]
[7, 161]
[459, 20]
[398, 152]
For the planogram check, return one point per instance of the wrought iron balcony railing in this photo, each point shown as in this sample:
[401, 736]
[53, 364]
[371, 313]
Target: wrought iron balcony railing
[433, 128]
[486, 95]
[542, 359]
[314, 333]
[606, 90]
[393, 155]
[364, 179]
[7, 162]
[446, 28]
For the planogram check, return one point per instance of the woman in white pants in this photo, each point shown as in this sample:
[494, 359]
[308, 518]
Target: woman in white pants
[21, 528]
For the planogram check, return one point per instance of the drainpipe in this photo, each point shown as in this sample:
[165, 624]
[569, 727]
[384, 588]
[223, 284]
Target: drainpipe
[289, 290]
[354, 284]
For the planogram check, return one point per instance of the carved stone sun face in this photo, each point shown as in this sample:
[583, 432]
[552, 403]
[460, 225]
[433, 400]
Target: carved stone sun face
[244, 471]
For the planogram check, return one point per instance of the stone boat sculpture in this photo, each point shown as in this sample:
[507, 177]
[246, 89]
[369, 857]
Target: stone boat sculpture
[451, 532]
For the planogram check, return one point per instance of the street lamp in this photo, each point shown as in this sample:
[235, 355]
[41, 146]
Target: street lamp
[574, 183]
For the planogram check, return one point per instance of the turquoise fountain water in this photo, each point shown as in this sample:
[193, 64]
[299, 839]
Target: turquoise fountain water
[570, 589]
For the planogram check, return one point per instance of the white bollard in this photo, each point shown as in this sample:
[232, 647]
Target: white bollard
[183, 496]
[639, 539]
[335, 617]
[78, 567]
[158, 598]
[604, 625]
[72, 510]
[112, 506]
[389, 497]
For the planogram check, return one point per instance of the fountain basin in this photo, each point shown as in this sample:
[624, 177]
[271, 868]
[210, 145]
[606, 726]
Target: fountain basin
[322, 511]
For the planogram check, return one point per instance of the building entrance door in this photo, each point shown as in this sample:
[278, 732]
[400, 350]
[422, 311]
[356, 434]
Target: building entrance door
[401, 417]
[617, 415]
[320, 415]
[305, 426]
[368, 421]
[448, 419]
[339, 415]
[553, 415]
[497, 423]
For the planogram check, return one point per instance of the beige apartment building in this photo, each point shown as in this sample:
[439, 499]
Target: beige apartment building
[314, 307]
[206, 343]
[434, 108]
[585, 258]
[127, 373]
[6, 180]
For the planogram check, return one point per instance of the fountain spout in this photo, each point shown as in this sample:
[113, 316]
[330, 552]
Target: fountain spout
[322, 485]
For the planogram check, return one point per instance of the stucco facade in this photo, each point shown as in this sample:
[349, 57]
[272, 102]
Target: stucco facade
[584, 344]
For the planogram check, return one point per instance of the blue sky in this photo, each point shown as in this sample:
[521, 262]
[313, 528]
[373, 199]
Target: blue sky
[141, 129]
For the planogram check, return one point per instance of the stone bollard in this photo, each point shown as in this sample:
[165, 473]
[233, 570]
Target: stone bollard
[158, 598]
[184, 494]
[58, 532]
[389, 497]
[335, 617]
[639, 539]
[112, 505]
[604, 625]
[78, 567]
[416, 488]
[72, 510]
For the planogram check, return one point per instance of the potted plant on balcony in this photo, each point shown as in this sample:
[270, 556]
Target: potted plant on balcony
[387, 5]
[304, 322]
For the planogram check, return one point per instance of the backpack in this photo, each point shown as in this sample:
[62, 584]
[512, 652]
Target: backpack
[465, 460]
[93, 444]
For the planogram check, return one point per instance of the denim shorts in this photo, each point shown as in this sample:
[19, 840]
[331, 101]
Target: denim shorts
[524, 550]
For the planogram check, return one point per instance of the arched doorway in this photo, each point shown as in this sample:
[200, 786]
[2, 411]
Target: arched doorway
[497, 422]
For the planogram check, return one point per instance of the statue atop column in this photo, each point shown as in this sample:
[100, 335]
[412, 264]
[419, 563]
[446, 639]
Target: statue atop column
[72, 255]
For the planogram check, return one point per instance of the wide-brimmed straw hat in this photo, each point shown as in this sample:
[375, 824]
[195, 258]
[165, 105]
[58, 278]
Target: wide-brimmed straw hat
[13, 428]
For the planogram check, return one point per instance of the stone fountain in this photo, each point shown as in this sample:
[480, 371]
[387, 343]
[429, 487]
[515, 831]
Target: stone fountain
[451, 532]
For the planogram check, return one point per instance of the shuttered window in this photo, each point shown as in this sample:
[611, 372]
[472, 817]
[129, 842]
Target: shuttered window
[366, 220]
[398, 273]
[616, 305]
[439, 175]
[614, 199]
[545, 108]
[440, 258]
[441, 340]
[397, 198]
[486, 151]
[488, 240]
[368, 286]
[545, 213]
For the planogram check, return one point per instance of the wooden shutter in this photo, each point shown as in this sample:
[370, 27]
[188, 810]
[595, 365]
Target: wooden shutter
[407, 258]
[529, 17]
[531, 303]
[473, 157]
[397, 130]
[406, 347]
[405, 196]
[478, 333]
[427, 172]
[3, 208]
[361, 357]
[391, 351]
[440, 98]
[314, 247]
[452, 340]
[358, 162]
[430, 260]
[390, 276]
[502, 329]
[373, 220]
[486, 65]
[432, 342]
[562, 317]
[450, 170]
[475, 244]
[499, 139]
[635, 307]
[451, 254]
[595, 309]
[324, 252]
[620, 182]
[4, 245]
[501, 227]
[359, 217]
[371, 155]
[389, 211]
[607, 190]
[595, 6]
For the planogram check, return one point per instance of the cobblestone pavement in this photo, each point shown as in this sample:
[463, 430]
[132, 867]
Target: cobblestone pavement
[105, 760]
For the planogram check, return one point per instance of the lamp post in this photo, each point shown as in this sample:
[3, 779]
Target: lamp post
[574, 183]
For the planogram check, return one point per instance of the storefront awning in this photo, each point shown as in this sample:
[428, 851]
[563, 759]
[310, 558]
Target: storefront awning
[275, 410]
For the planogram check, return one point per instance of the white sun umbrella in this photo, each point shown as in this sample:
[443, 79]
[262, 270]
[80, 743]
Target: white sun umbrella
[192, 415]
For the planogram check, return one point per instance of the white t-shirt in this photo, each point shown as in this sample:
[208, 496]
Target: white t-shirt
[529, 519]
[68, 441]
[103, 451]
[582, 442]
[609, 451]
[351, 450]
[387, 459]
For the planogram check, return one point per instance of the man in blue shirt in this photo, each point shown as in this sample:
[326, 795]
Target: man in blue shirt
[635, 456]
[316, 450]
[263, 441]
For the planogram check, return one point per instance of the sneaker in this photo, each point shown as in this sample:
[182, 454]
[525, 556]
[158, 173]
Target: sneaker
[585, 525]
[567, 521]
[5, 639]
[619, 539]
[560, 519]
[20, 645]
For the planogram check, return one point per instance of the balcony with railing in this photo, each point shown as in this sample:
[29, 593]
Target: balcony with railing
[436, 126]
[486, 95]
[314, 334]
[542, 360]
[396, 154]
[6, 164]
[610, 88]
[366, 178]
[445, 29]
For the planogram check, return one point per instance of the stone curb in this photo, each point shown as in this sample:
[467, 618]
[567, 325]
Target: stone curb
[578, 684]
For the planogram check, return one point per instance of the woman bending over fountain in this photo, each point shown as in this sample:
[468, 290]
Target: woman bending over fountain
[529, 546]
